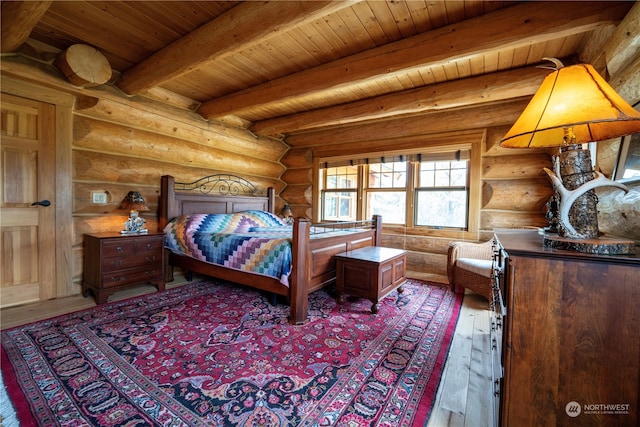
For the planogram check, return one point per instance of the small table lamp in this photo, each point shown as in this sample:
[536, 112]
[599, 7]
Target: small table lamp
[286, 214]
[133, 202]
[575, 105]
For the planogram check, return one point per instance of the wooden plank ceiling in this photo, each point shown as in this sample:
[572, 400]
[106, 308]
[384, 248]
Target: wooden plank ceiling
[286, 67]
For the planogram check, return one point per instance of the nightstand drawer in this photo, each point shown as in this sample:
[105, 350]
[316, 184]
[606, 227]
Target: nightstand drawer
[131, 276]
[139, 260]
[117, 248]
[149, 244]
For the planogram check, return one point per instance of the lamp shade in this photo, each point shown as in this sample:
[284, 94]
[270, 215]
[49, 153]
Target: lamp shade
[575, 102]
[286, 212]
[133, 201]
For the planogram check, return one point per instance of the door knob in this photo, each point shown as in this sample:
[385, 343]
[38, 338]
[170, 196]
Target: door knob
[44, 203]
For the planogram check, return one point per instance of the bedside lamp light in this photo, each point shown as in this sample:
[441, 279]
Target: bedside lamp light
[134, 203]
[286, 214]
[575, 105]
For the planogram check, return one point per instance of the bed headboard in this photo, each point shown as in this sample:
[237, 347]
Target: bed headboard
[220, 193]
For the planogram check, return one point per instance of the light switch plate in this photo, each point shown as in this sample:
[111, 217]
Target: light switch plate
[99, 197]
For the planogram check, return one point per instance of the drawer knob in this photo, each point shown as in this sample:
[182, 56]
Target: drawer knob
[150, 258]
[149, 246]
[119, 249]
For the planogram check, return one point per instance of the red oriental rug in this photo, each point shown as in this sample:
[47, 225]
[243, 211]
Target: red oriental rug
[213, 354]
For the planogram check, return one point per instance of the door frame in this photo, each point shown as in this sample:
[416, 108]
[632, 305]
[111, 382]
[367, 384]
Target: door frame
[64, 227]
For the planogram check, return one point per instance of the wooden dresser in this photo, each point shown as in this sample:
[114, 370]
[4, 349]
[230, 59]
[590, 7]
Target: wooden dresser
[571, 336]
[113, 262]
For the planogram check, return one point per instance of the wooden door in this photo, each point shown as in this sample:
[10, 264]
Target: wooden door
[27, 175]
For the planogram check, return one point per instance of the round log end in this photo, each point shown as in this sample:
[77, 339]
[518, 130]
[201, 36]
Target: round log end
[84, 66]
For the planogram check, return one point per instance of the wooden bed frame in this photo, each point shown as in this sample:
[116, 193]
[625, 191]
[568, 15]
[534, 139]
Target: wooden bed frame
[313, 262]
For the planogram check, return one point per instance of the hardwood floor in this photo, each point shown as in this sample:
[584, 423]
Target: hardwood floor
[20, 315]
[465, 394]
[463, 398]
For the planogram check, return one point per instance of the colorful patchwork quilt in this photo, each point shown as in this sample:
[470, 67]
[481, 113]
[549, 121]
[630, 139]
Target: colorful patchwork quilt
[252, 241]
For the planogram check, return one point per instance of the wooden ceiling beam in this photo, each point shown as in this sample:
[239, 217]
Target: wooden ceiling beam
[520, 25]
[623, 47]
[244, 25]
[18, 19]
[441, 96]
[482, 116]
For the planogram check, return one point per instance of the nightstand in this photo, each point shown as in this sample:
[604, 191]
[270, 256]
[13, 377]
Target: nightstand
[371, 272]
[113, 262]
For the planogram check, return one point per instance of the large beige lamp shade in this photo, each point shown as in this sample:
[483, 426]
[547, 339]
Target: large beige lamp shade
[574, 105]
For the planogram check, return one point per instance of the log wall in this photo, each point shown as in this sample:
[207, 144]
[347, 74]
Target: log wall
[120, 144]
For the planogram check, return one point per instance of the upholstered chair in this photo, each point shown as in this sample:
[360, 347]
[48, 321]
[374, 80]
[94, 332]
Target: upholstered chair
[469, 266]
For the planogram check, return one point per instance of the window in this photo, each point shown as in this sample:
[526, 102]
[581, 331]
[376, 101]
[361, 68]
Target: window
[417, 190]
[441, 194]
[339, 192]
[386, 191]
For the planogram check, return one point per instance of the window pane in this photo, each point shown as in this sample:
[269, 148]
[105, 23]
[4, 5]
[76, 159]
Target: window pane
[459, 177]
[388, 175]
[339, 206]
[330, 206]
[442, 178]
[345, 208]
[341, 177]
[390, 204]
[427, 178]
[443, 174]
[446, 208]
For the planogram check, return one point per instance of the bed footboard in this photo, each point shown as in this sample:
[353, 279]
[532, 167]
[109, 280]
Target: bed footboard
[314, 266]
